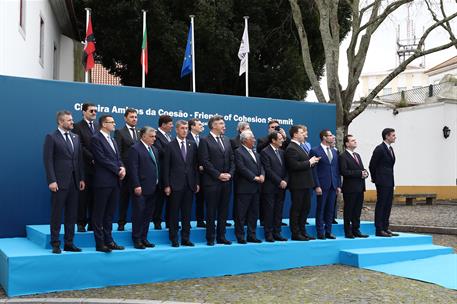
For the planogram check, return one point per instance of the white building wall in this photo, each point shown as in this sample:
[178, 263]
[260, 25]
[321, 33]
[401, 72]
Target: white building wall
[424, 156]
[19, 50]
[66, 60]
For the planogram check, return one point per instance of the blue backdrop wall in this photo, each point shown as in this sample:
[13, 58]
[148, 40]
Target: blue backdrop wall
[30, 106]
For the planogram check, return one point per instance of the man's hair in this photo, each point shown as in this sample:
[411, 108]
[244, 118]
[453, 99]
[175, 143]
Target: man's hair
[164, 119]
[294, 129]
[181, 123]
[128, 111]
[386, 132]
[273, 136]
[146, 129]
[241, 125]
[323, 133]
[61, 114]
[193, 122]
[272, 122]
[346, 139]
[103, 118]
[214, 119]
[245, 135]
[86, 106]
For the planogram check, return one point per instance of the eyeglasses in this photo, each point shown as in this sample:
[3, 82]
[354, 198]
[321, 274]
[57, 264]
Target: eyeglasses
[110, 122]
[93, 111]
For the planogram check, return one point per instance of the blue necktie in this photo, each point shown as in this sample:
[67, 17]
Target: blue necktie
[155, 162]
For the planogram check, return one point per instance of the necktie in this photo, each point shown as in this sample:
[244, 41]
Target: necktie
[197, 139]
[278, 156]
[168, 137]
[155, 162]
[110, 141]
[183, 150]
[392, 152]
[133, 133]
[305, 148]
[329, 154]
[219, 140]
[356, 159]
[91, 127]
[69, 142]
[252, 155]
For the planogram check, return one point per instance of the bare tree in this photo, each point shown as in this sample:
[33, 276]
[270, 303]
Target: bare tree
[366, 19]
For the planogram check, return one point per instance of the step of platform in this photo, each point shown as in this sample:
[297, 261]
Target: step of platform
[40, 234]
[363, 257]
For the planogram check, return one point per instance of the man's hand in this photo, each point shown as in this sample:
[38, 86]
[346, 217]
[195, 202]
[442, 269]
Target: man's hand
[224, 177]
[121, 173]
[314, 160]
[318, 190]
[167, 190]
[82, 185]
[338, 190]
[200, 168]
[53, 187]
[283, 184]
[365, 174]
[198, 189]
[261, 179]
[137, 191]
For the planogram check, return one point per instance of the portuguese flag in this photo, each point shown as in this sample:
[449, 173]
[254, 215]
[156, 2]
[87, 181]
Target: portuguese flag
[144, 52]
[89, 47]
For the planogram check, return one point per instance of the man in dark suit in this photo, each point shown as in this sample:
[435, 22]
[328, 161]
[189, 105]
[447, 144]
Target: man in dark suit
[180, 181]
[195, 130]
[86, 129]
[236, 142]
[249, 177]
[354, 175]
[216, 156]
[143, 171]
[125, 138]
[274, 187]
[299, 165]
[326, 175]
[163, 137]
[273, 125]
[64, 172]
[382, 174]
[109, 172]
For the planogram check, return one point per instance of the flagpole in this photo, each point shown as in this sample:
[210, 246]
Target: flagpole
[86, 74]
[143, 77]
[193, 53]
[247, 59]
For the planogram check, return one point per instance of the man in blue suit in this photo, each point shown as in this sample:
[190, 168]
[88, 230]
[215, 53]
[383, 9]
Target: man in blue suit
[143, 168]
[64, 172]
[180, 181]
[250, 175]
[215, 154]
[274, 188]
[382, 174]
[109, 171]
[326, 175]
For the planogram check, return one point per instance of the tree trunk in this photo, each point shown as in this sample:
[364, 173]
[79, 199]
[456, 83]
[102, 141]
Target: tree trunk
[341, 131]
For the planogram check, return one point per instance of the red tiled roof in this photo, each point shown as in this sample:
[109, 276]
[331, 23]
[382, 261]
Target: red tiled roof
[100, 75]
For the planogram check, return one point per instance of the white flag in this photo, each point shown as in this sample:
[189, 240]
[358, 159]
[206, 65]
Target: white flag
[244, 50]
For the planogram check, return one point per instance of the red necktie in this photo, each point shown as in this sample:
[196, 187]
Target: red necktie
[356, 159]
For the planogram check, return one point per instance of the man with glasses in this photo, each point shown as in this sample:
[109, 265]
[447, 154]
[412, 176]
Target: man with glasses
[86, 129]
[273, 125]
[109, 172]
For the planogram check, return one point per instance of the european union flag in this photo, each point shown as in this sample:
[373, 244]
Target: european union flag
[187, 63]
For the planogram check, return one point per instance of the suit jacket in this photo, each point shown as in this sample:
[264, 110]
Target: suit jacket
[177, 172]
[215, 160]
[298, 167]
[142, 168]
[160, 143]
[326, 174]
[352, 173]
[107, 162]
[382, 166]
[124, 141]
[235, 142]
[263, 142]
[246, 170]
[275, 171]
[60, 163]
[85, 134]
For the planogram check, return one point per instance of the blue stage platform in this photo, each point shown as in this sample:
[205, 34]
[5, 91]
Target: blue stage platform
[27, 265]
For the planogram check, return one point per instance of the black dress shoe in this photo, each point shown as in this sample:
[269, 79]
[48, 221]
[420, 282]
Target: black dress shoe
[330, 236]
[359, 234]
[210, 243]
[72, 248]
[120, 227]
[148, 244]
[139, 245]
[174, 244]
[262, 223]
[157, 226]
[299, 238]
[227, 224]
[306, 223]
[349, 236]
[334, 222]
[269, 239]
[201, 224]
[392, 233]
[90, 228]
[187, 243]
[382, 234]
[309, 237]
[103, 248]
[283, 224]
[81, 228]
[279, 238]
[114, 246]
[253, 240]
[242, 241]
[224, 241]
[56, 249]
[321, 237]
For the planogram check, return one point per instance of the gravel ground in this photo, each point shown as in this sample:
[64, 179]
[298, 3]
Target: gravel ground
[323, 284]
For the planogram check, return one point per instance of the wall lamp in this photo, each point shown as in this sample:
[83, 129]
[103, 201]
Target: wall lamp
[446, 132]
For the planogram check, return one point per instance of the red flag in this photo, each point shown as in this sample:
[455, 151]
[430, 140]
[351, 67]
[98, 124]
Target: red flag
[89, 47]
